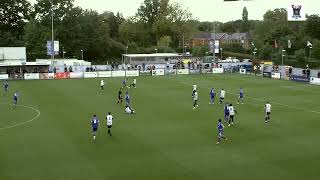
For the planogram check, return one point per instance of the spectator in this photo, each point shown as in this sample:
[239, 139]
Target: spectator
[70, 69]
[290, 71]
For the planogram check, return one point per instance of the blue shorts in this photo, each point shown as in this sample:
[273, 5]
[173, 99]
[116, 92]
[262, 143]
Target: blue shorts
[241, 96]
[95, 129]
[211, 97]
[220, 133]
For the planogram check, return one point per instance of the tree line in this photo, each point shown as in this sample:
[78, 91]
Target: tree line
[157, 24]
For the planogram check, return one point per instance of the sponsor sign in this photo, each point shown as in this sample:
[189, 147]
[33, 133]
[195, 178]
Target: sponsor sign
[206, 71]
[132, 73]
[217, 46]
[194, 71]
[242, 71]
[4, 76]
[315, 81]
[275, 75]
[158, 72]
[182, 71]
[145, 72]
[90, 74]
[217, 70]
[30, 76]
[172, 72]
[51, 47]
[104, 74]
[118, 73]
[76, 75]
[46, 75]
[300, 78]
[267, 74]
[64, 75]
[296, 12]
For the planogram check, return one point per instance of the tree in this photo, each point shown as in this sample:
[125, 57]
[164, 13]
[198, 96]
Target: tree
[13, 17]
[114, 22]
[245, 24]
[316, 49]
[200, 51]
[165, 41]
[300, 56]
[312, 27]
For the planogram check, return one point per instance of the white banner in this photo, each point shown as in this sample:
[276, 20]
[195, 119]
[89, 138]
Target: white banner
[182, 71]
[158, 72]
[275, 75]
[118, 73]
[132, 73]
[105, 74]
[217, 70]
[90, 74]
[315, 81]
[76, 75]
[243, 71]
[56, 46]
[217, 47]
[296, 12]
[4, 76]
[30, 76]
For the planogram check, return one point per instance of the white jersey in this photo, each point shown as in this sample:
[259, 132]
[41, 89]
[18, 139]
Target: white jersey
[195, 96]
[194, 87]
[267, 108]
[222, 93]
[134, 81]
[109, 120]
[231, 110]
[128, 110]
[102, 83]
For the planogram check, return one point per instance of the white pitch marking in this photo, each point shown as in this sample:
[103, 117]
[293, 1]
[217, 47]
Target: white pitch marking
[25, 122]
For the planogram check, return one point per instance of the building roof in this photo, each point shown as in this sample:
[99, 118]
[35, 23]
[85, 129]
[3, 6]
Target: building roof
[165, 55]
[218, 36]
[237, 36]
[24, 64]
[209, 36]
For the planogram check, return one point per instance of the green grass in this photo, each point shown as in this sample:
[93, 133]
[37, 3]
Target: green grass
[166, 139]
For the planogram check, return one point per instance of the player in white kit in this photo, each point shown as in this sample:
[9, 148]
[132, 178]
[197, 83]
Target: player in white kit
[267, 109]
[102, 84]
[222, 95]
[109, 123]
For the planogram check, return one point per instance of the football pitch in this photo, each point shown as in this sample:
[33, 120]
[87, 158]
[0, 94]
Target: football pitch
[48, 136]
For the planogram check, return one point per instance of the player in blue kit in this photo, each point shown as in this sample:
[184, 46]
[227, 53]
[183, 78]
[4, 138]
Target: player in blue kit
[226, 113]
[212, 96]
[220, 132]
[240, 99]
[95, 126]
[6, 86]
[124, 83]
[127, 97]
[15, 98]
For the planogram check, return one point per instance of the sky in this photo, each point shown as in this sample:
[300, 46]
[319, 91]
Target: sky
[203, 10]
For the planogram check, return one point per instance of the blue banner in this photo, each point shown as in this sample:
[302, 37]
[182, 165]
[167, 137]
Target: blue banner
[300, 78]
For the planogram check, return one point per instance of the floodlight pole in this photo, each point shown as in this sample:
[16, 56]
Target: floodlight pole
[214, 41]
[310, 48]
[282, 54]
[52, 35]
